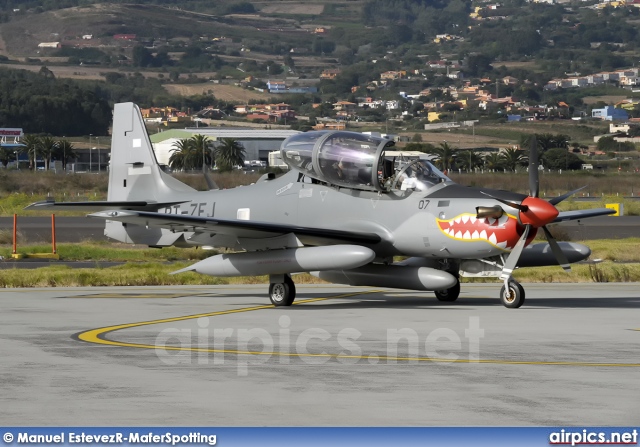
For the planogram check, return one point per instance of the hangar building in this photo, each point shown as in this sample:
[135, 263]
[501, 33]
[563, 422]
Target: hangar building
[257, 142]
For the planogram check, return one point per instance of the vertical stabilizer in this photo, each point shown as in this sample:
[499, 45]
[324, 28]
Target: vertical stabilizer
[134, 171]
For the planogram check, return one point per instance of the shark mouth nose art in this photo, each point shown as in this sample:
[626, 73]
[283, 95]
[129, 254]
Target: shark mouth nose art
[502, 233]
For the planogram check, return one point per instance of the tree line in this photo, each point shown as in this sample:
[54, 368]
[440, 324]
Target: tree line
[39, 103]
[36, 147]
[553, 150]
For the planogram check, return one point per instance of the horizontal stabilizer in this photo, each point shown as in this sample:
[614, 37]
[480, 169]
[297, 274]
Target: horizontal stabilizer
[101, 205]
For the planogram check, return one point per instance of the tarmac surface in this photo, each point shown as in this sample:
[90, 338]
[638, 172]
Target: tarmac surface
[221, 356]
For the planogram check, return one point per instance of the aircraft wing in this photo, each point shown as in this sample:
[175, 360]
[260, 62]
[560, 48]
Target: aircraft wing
[100, 205]
[236, 228]
[582, 214]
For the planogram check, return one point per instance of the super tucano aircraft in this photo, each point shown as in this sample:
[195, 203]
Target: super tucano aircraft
[342, 212]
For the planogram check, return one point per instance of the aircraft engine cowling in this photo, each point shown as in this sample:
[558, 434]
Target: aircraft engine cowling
[291, 260]
[393, 276]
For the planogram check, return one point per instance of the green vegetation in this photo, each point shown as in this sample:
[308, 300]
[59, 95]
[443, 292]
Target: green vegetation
[40, 104]
[105, 251]
[138, 271]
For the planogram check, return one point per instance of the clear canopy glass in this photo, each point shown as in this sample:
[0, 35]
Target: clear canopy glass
[355, 160]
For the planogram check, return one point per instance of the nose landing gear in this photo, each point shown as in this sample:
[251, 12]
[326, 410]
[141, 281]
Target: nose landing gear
[512, 294]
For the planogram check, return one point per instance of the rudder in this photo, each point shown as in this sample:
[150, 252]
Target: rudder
[134, 170]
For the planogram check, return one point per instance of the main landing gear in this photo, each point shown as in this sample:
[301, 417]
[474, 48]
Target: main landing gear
[450, 294]
[282, 290]
[512, 294]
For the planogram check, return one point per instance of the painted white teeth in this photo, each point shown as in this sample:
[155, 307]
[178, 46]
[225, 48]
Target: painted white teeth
[457, 220]
[473, 219]
[466, 235]
[449, 232]
[465, 219]
[493, 238]
[475, 235]
[459, 235]
[502, 245]
[483, 235]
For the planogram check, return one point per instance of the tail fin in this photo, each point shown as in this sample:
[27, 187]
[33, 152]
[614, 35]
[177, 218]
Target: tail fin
[134, 171]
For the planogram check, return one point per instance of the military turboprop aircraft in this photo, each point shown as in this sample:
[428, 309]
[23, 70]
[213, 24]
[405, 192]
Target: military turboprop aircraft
[342, 212]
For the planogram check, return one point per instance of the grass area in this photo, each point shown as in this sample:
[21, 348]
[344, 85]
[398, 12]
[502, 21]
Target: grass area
[139, 271]
[148, 274]
[106, 251]
[582, 133]
[615, 250]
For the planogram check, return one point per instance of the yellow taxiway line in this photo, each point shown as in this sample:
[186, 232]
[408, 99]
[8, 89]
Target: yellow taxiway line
[99, 336]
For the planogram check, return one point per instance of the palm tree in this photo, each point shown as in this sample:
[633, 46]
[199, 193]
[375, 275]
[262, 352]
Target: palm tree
[182, 155]
[512, 158]
[64, 151]
[545, 141]
[444, 156]
[6, 155]
[202, 148]
[31, 144]
[229, 153]
[561, 141]
[46, 149]
[493, 161]
[470, 160]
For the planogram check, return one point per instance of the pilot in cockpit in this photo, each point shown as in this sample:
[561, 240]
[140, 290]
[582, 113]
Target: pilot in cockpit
[417, 176]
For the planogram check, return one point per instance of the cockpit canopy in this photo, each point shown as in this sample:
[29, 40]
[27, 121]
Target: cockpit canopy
[357, 161]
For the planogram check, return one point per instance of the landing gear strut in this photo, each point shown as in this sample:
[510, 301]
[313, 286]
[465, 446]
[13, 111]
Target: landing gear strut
[512, 294]
[282, 290]
[450, 294]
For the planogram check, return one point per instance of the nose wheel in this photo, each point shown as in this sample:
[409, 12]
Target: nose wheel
[512, 295]
[282, 293]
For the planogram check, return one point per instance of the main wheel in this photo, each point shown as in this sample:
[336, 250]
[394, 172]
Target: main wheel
[450, 294]
[283, 293]
[515, 296]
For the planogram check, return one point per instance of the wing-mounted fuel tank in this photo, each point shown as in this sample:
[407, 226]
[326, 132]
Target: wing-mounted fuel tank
[345, 159]
[291, 260]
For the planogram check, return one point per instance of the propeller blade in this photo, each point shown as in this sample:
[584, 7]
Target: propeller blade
[512, 260]
[559, 199]
[557, 251]
[515, 205]
[534, 181]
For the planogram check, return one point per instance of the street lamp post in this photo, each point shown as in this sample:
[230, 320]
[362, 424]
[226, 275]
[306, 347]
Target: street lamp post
[90, 135]
[98, 146]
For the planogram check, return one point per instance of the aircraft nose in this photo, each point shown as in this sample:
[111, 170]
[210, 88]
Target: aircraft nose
[538, 212]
